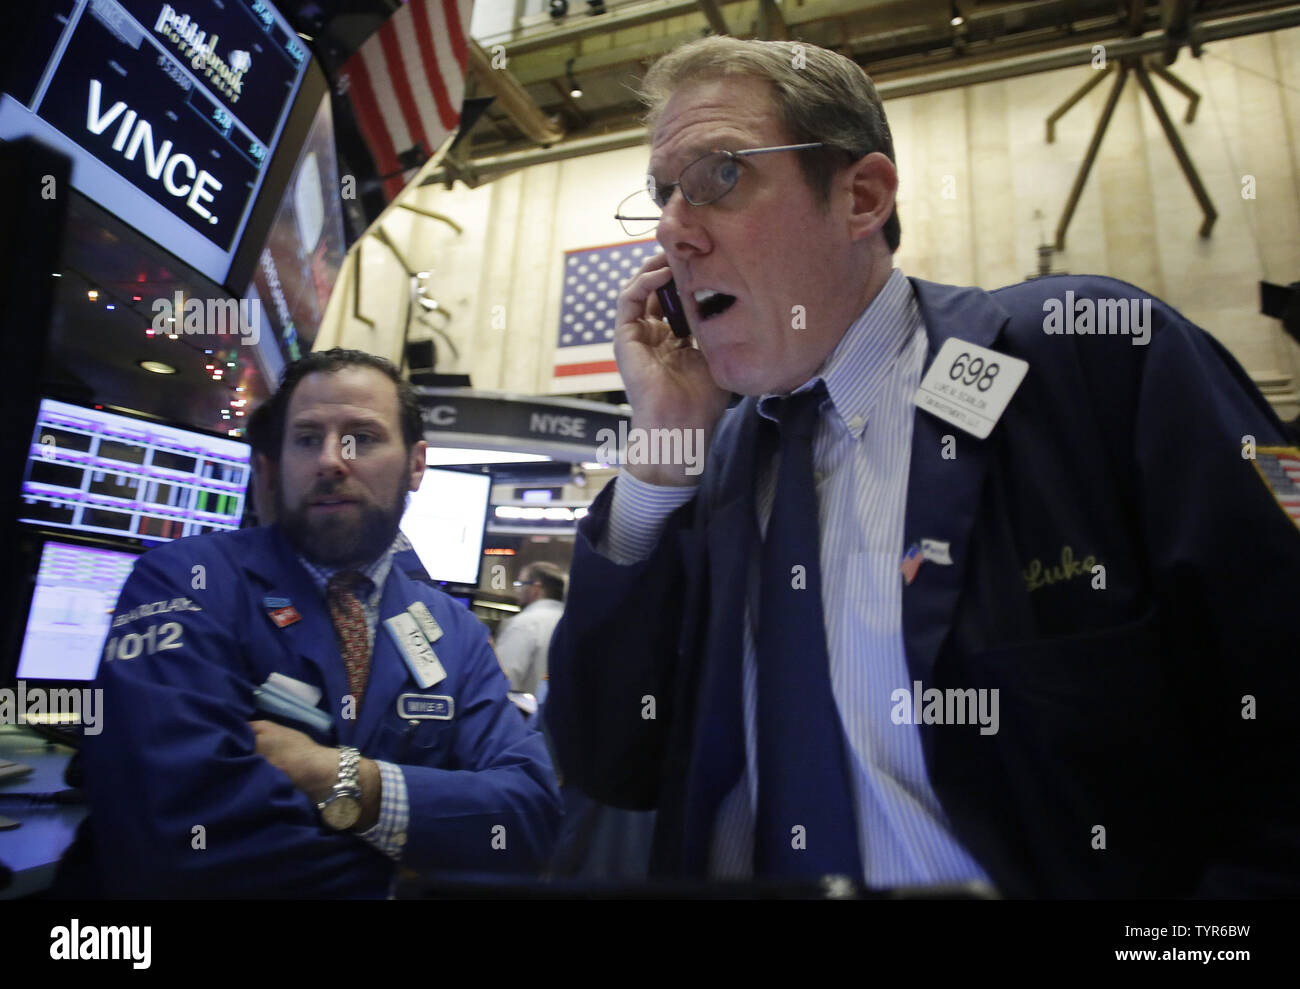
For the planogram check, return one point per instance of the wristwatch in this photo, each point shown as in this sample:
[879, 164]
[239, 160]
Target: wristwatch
[342, 808]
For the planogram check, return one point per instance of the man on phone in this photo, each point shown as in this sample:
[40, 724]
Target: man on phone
[960, 597]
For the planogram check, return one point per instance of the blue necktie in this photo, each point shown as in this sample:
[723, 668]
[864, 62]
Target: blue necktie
[805, 826]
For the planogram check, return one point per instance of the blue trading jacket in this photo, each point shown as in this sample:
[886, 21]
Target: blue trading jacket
[176, 753]
[1160, 707]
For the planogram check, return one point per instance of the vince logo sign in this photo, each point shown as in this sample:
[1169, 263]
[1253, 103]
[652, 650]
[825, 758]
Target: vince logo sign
[161, 162]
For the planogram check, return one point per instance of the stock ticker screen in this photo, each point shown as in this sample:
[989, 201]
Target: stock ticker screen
[170, 111]
[98, 472]
[72, 606]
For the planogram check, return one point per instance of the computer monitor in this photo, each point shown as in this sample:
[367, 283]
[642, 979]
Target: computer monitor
[445, 521]
[171, 112]
[75, 592]
[109, 474]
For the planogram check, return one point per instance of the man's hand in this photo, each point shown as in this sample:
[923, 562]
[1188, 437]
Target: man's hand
[667, 378]
[312, 768]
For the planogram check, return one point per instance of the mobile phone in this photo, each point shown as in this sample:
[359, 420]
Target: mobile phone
[671, 303]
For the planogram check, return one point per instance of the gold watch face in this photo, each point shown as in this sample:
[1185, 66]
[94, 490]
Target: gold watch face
[341, 812]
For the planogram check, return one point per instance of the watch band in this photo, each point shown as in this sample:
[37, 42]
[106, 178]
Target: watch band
[349, 768]
[342, 807]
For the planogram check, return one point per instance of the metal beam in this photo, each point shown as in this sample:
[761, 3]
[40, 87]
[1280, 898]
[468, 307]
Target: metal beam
[1180, 152]
[488, 167]
[607, 23]
[1193, 97]
[771, 25]
[1081, 178]
[1217, 30]
[714, 16]
[512, 99]
[1074, 98]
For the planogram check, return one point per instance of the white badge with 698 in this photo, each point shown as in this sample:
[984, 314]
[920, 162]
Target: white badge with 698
[970, 386]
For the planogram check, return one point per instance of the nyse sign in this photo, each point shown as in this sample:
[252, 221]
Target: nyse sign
[506, 419]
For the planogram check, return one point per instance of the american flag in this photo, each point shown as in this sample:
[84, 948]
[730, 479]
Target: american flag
[584, 347]
[1279, 466]
[407, 81]
[912, 561]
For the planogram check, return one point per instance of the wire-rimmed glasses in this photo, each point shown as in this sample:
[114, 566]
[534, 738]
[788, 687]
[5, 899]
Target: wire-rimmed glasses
[705, 180]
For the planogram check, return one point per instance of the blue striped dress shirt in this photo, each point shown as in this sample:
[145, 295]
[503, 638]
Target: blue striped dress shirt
[861, 458]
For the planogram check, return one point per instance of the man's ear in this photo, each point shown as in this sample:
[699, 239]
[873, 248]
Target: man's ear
[418, 463]
[872, 183]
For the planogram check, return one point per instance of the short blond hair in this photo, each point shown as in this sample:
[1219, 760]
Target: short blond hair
[817, 94]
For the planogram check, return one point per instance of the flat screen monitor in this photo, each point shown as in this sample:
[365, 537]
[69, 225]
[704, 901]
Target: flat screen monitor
[108, 474]
[76, 590]
[444, 522]
[171, 112]
[297, 267]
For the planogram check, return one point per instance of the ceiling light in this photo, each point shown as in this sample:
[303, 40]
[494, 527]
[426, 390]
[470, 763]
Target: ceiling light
[157, 367]
[93, 295]
[574, 89]
[446, 456]
[110, 307]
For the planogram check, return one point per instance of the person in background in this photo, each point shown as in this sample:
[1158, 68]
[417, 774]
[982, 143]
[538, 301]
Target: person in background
[525, 640]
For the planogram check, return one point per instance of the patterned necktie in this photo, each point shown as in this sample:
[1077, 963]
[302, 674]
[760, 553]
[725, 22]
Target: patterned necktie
[805, 824]
[350, 624]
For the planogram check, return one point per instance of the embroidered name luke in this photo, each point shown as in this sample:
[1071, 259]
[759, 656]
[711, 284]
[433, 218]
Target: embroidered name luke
[1036, 575]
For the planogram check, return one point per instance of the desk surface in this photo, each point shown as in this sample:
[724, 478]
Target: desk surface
[33, 849]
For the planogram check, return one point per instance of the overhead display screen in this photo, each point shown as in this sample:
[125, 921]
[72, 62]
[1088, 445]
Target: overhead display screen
[171, 112]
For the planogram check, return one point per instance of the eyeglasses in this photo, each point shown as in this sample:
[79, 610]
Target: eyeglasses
[526, 583]
[705, 180]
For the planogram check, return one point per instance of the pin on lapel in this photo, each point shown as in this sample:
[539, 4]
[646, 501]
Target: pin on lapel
[934, 550]
[912, 561]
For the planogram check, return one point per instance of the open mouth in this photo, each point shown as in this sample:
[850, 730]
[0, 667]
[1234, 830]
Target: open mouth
[710, 303]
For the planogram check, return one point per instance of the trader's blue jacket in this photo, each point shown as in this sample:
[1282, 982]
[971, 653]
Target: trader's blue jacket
[1148, 727]
[182, 805]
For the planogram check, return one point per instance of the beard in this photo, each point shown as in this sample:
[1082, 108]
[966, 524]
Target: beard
[352, 539]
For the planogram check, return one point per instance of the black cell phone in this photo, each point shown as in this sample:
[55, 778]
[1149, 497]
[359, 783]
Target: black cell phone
[671, 303]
